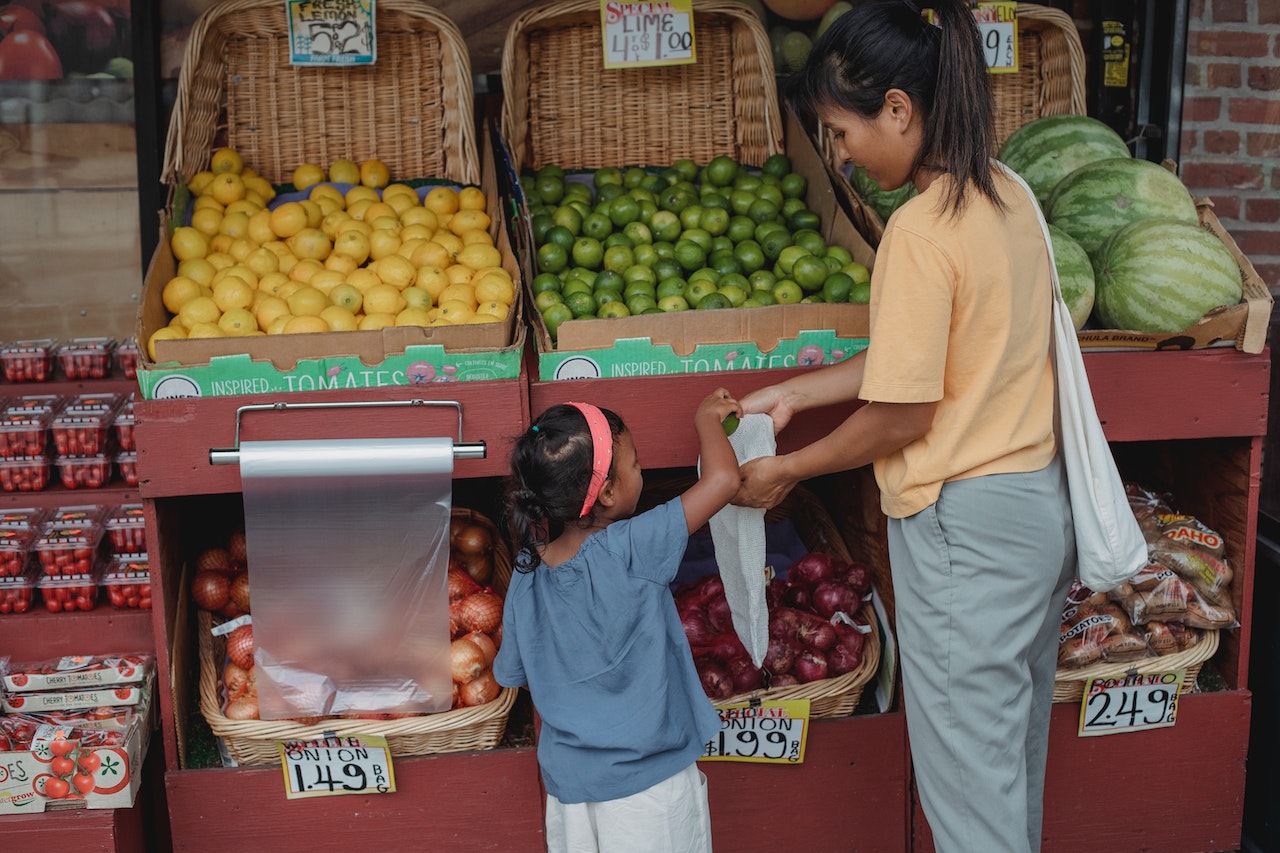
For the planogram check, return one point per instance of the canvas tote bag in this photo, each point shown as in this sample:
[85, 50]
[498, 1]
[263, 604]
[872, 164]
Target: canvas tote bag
[1110, 547]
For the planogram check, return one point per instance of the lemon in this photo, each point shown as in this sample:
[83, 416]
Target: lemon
[431, 279]
[200, 182]
[415, 297]
[459, 274]
[475, 236]
[246, 205]
[394, 270]
[344, 171]
[234, 225]
[304, 269]
[374, 173]
[220, 260]
[383, 242]
[268, 309]
[413, 317]
[360, 193]
[497, 310]
[187, 242]
[315, 213]
[304, 325]
[339, 319]
[288, 219]
[384, 299]
[241, 248]
[431, 254]
[233, 293]
[259, 227]
[277, 325]
[260, 187]
[478, 255]
[310, 243]
[307, 302]
[206, 221]
[471, 198]
[262, 261]
[341, 263]
[270, 283]
[207, 202]
[226, 160]
[206, 330]
[456, 311]
[326, 280]
[178, 291]
[165, 333]
[201, 309]
[400, 203]
[373, 322]
[307, 175]
[348, 296]
[458, 293]
[238, 322]
[226, 187]
[420, 216]
[408, 247]
[441, 200]
[469, 220]
[494, 287]
[319, 192]
[362, 279]
[197, 269]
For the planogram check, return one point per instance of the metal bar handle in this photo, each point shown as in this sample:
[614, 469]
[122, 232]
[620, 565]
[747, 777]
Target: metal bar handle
[461, 449]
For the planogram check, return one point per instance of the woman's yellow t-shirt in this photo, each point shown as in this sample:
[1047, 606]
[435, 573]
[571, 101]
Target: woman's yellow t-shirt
[960, 315]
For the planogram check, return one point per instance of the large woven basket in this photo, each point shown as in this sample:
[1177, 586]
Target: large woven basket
[1050, 81]
[829, 697]
[561, 106]
[412, 109]
[1068, 684]
[253, 742]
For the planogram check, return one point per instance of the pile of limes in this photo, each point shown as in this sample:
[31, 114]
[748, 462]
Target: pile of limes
[646, 241]
[342, 258]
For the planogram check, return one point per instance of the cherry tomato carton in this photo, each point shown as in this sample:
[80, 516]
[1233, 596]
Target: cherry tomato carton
[95, 401]
[28, 361]
[80, 433]
[17, 594]
[105, 718]
[85, 472]
[78, 671]
[127, 462]
[21, 518]
[123, 425]
[68, 550]
[70, 593]
[24, 473]
[15, 547]
[127, 354]
[35, 402]
[127, 530]
[86, 358]
[81, 515]
[24, 432]
[128, 582]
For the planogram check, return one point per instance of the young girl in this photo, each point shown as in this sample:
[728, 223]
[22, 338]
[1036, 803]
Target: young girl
[591, 627]
[958, 415]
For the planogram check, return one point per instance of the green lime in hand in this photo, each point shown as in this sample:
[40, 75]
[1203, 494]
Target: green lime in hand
[730, 423]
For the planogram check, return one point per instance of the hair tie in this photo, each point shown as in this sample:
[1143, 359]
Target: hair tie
[601, 452]
[533, 428]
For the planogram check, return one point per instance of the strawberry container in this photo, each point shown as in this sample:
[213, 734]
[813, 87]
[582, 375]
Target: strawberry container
[69, 550]
[127, 354]
[21, 518]
[127, 461]
[85, 472]
[15, 546]
[69, 593]
[24, 432]
[80, 433]
[24, 473]
[86, 358]
[17, 594]
[127, 530]
[28, 361]
[123, 425]
[128, 582]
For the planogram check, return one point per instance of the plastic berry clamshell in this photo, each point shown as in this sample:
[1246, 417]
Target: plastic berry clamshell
[21, 518]
[35, 402]
[86, 358]
[15, 546]
[85, 472]
[24, 432]
[80, 433]
[93, 402]
[127, 355]
[24, 473]
[68, 551]
[28, 361]
[81, 515]
[68, 593]
[124, 424]
[127, 530]
[127, 462]
[128, 582]
[17, 594]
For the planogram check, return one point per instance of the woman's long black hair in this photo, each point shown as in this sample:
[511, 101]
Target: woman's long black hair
[550, 472]
[887, 44]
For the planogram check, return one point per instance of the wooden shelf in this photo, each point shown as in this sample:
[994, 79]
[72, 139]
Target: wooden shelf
[41, 635]
[111, 495]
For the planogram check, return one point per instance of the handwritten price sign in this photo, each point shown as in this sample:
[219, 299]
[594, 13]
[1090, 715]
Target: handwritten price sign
[999, 27]
[768, 732]
[640, 34]
[332, 32]
[335, 765]
[1131, 703]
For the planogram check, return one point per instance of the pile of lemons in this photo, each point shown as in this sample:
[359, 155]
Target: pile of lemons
[374, 256]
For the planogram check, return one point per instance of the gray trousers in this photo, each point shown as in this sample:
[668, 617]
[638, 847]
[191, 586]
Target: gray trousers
[980, 579]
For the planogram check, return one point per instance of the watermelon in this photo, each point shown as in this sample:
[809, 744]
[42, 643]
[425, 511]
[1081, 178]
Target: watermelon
[1162, 275]
[1096, 200]
[1046, 150]
[1075, 275]
[883, 202]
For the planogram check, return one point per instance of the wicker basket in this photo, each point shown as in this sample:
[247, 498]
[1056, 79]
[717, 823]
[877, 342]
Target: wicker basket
[1050, 81]
[562, 106]
[829, 697]
[253, 742]
[412, 109]
[1068, 684]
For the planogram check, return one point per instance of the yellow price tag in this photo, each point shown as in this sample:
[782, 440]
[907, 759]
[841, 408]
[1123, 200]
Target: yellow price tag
[1130, 703]
[641, 34]
[336, 764]
[766, 732]
[998, 23]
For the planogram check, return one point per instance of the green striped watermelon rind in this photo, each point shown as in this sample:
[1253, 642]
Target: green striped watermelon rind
[1096, 200]
[1045, 150]
[1160, 275]
[1075, 275]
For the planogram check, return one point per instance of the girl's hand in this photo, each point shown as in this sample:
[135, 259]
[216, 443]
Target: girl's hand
[772, 400]
[764, 483]
[717, 406]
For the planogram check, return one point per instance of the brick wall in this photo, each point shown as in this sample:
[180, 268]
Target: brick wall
[1230, 149]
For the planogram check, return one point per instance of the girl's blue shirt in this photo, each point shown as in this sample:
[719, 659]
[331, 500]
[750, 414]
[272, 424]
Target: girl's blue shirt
[598, 641]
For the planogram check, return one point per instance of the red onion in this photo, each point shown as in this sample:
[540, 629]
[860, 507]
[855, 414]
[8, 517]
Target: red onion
[744, 674]
[780, 656]
[719, 614]
[773, 593]
[716, 682]
[784, 680]
[815, 632]
[696, 628]
[850, 637]
[841, 660]
[811, 568]
[799, 596]
[830, 597]
[810, 666]
[858, 576]
[783, 623]
[724, 648]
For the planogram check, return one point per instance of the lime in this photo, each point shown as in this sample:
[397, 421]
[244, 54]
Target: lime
[714, 300]
[704, 274]
[715, 220]
[575, 285]
[597, 225]
[639, 273]
[588, 252]
[547, 298]
[608, 175]
[803, 219]
[641, 303]
[545, 281]
[608, 280]
[730, 423]
[858, 272]
[671, 286]
[762, 210]
[741, 228]
[665, 249]
[561, 236]
[552, 257]
[721, 171]
[788, 256]
[811, 240]
[686, 168]
[749, 255]
[676, 198]
[747, 181]
[638, 232]
[724, 262]
[787, 292]
[639, 286]
[648, 207]
[549, 170]
[581, 304]
[604, 297]
[554, 316]
[793, 185]
[837, 288]
[840, 253]
[541, 223]
[623, 210]
[691, 216]
[736, 295]
[764, 297]
[674, 302]
[773, 244]
[833, 264]
[861, 292]
[618, 258]
[699, 290]
[666, 268]
[578, 274]
[715, 200]
[764, 229]
[777, 164]
[740, 201]
[762, 280]
[665, 225]
[770, 192]
[654, 183]
[633, 176]
[812, 299]
[645, 253]
[613, 311]
[574, 191]
[752, 301]
[689, 255]
[608, 192]
[549, 189]
[810, 272]
[617, 238]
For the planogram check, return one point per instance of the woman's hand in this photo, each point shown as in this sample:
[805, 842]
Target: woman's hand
[764, 483]
[772, 400]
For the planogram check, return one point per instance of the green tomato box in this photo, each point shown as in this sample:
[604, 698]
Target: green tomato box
[700, 341]
[320, 361]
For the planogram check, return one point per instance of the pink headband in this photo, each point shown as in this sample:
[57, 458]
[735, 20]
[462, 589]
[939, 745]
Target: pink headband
[601, 452]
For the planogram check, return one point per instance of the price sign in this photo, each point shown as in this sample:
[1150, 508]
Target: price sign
[640, 34]
[1130, 703]
[331, 32]
[767, 732]
[999, 27]
[336, 764]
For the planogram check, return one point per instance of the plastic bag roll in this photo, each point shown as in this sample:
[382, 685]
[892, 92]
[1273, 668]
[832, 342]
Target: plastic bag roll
[348, 544]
